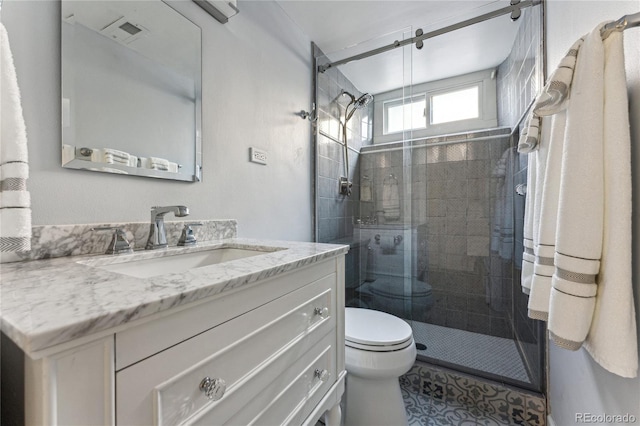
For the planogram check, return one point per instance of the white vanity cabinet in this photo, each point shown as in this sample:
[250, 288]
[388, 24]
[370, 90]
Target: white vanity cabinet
[268, 353]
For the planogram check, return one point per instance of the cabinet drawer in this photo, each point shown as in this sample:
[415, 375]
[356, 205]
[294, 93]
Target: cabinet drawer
[151, 337]
[289, 396]
[237, 351]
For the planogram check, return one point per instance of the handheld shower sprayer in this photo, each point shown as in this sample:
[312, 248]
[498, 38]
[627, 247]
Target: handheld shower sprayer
[355, 104]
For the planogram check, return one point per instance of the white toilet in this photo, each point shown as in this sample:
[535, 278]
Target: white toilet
[379, 348]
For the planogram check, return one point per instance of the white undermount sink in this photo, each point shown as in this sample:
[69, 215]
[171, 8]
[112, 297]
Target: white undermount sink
[176, 263]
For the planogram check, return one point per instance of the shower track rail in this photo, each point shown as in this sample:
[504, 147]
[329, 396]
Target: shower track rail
[514, 9]
[625, 22]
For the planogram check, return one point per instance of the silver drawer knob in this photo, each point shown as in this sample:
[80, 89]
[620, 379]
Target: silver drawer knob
[213, 388]
[322, 312]
[322, 374]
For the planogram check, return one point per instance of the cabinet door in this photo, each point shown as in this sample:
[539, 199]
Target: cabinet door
[75, 387]
[164, 389]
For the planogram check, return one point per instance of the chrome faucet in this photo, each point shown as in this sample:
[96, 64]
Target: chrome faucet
[157, 234]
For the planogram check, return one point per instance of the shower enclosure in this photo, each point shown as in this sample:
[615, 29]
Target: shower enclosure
[433, 217]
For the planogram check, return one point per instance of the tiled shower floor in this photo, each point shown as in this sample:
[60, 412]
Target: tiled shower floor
[494, 355]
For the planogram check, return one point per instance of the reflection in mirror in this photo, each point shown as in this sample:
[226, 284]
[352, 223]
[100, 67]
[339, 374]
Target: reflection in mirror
[131, 79]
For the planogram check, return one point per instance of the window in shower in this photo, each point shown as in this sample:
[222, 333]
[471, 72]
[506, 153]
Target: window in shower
[445, 106]
[455, 105]
[407, 114]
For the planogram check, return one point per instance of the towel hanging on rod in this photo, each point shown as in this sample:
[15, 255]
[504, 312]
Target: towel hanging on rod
[578, 264]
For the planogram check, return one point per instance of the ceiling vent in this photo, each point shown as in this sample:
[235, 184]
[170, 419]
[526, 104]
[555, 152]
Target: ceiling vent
[124, 31]
[221, 10]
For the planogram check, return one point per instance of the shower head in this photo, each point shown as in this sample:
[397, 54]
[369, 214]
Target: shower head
[359, 103]
[363, 101]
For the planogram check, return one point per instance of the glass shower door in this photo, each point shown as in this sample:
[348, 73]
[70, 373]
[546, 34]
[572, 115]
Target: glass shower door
[372, 219]
[431, 219]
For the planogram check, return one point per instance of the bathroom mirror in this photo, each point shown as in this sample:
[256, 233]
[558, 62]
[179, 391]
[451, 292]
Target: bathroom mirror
[131, 89]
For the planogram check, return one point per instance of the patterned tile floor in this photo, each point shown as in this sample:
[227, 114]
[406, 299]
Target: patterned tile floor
[435, 396]
[477, 351]
[461, 404]
[422, 410]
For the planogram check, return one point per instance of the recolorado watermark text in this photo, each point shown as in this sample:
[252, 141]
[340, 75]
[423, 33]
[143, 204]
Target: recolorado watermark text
[605, 418]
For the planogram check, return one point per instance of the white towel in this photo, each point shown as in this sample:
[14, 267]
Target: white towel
[156, 163]
[581, 202]
[556, 92]
[543, 185]
[585, 211]
[612, 339]
[536, 170]
[390, 198]
[553, 132]
[529, 135]
[114, 156]
[529, 226]
[552, 98]
[115, 153]
[15, 211]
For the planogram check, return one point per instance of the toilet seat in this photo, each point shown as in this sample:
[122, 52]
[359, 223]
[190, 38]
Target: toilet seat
[376, 331]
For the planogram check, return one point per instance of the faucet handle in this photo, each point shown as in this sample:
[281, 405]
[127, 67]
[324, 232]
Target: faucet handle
[187, 238]
[119, 243]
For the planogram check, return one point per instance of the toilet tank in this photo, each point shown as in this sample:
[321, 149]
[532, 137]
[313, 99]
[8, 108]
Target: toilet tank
[389, 251]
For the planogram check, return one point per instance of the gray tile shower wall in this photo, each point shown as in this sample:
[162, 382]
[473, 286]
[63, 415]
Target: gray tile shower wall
[520, 75]
[455, 202]
[335, 212]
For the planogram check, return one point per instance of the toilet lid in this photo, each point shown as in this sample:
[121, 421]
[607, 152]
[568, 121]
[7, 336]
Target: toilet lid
[395, 289]
[375, 330]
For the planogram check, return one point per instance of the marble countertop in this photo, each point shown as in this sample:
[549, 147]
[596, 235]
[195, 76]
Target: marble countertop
[48, 302]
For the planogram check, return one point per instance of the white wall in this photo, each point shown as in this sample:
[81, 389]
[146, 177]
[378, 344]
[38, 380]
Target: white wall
[256, 75]
[576, 383]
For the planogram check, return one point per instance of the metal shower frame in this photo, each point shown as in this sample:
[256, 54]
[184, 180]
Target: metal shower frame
[515, 9]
